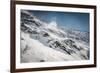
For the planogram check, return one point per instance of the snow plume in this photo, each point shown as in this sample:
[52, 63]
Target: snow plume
[53, 22]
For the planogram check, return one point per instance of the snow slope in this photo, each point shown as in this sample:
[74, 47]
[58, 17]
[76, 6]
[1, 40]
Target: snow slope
[35, 51]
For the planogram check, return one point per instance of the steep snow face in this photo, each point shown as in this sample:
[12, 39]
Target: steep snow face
[41, 41]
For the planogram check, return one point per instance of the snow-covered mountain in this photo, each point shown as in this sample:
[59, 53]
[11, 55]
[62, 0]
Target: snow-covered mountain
[42, 41]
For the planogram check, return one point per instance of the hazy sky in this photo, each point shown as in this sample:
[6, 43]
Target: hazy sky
[74, 20]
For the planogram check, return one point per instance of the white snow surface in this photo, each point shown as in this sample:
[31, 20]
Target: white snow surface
[36, 51]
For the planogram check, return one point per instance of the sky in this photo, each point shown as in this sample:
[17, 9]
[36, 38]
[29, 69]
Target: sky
[79, 21]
